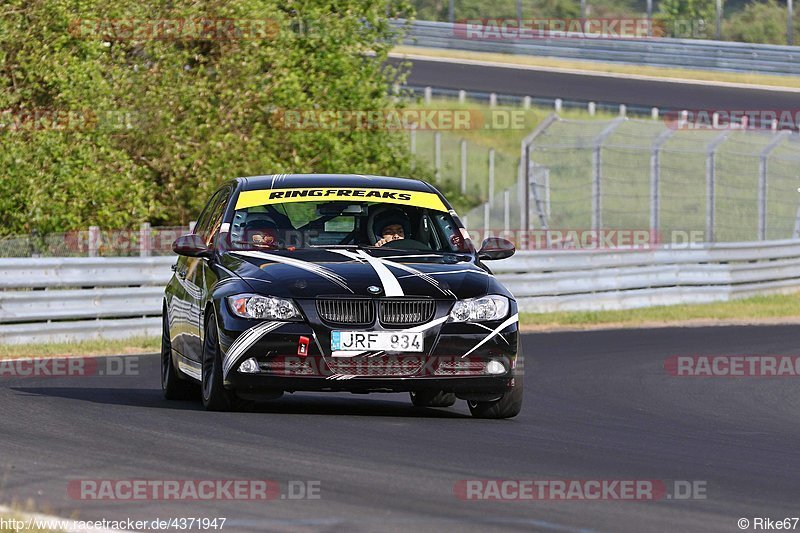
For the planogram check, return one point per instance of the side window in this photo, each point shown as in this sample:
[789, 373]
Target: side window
[201, 227]
[217, 214]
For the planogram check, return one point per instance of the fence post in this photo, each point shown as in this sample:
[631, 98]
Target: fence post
[526, 102]
[558, 104]
[492, 99]
[597, 214]
[762, 183]
[490, 192]
[463, 166]
[413, 142]
[462, 96]
[487, 213]
[428, 93]
[523, 185]
[654, 113]
[711, 185]
[145, 244]
[592, 108]
[437, 155]
[192, 224]
[507, 210]
[94, 240]
[796, 234]
[655, 180]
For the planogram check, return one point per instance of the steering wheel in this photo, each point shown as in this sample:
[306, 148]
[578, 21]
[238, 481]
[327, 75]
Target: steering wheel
[407, 244]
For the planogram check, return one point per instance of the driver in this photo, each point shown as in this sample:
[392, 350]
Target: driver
[262, 234]
[391, 225]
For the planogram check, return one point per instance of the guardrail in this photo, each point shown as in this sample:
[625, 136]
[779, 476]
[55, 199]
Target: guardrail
[590, 280]
[70, 299]
[45, 300]
[661, 52]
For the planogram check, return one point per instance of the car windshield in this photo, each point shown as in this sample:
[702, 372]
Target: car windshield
[409, 220]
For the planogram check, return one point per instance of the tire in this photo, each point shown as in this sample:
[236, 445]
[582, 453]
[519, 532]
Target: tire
[506, 407]
[173, 387]
[215, 396]
[432, 399]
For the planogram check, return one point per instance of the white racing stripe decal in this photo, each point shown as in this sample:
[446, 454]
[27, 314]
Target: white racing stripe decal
[391, 286]
[245, 341]
[321, 271]
[494, 332]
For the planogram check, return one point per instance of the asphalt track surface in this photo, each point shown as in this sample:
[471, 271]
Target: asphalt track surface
[586, 88]
[598, 405]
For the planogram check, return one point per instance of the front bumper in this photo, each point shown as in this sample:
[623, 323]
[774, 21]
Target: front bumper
[460, 358]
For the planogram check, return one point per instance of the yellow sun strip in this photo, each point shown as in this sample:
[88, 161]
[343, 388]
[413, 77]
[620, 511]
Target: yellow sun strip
[389, 196]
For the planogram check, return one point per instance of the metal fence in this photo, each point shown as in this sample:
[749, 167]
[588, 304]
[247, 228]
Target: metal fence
[720, 185]
[661, 52]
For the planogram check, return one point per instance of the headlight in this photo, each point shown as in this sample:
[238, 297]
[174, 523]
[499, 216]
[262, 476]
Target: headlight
[492, 307]
[268, 307]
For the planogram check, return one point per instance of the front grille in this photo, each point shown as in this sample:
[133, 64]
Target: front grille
[376, 365]
[346, 310]
[406, 312]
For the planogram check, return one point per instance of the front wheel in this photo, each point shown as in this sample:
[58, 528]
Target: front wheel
[215, 396]
[173, 387]
[506, 407]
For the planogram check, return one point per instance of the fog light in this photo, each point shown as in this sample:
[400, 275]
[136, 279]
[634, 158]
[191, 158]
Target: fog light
[249, 367]
[495, 367]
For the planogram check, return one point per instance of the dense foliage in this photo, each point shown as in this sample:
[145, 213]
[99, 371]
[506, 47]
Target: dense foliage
[157, 123]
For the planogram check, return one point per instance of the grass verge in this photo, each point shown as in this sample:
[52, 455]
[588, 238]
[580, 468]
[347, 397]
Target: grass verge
[792, 82]
[755, 309]
[135, 345]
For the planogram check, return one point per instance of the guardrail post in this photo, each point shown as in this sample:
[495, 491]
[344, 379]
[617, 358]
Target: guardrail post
[597, 213]
[592, 108]
[711, 185]
[526, 102]
[654, 113]
[623, 110]
[437, 156]
[451, 11]
[796, 234]
[492, 99]
[762, 183]
[655, 181]
[94, 240]
[145, 240]
[462, 96]
[463, 166]
[428, 94]
[558, 104]
[490, 192]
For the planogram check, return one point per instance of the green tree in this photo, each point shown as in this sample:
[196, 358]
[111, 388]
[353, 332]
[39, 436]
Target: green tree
[758, 22]
[172, 118]
[694, 19]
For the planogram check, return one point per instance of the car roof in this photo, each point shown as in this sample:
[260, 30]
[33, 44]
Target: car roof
[280, 181]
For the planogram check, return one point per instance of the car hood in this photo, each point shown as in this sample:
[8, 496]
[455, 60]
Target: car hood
[358, 272]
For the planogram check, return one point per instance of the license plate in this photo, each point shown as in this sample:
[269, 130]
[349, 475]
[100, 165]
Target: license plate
[367, 341]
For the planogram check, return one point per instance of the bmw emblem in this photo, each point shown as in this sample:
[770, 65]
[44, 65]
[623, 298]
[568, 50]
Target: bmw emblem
[373, 289]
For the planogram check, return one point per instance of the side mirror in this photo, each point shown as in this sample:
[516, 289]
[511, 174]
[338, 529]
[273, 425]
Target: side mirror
[496, 248]
[191, 245]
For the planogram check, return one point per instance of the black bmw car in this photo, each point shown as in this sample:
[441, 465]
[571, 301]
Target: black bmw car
[338, 283]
